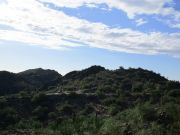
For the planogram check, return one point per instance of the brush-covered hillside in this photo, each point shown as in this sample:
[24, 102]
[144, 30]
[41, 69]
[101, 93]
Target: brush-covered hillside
[93, 101]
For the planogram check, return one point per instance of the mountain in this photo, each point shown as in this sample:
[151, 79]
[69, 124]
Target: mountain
[41, 78]
[94, 101]
[98, 79]
[12, 83]
[33, 79]
[95, 79]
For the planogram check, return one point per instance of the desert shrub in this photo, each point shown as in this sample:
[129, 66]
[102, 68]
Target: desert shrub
[111, 127]
[8, 116]
[28, 124]
[174, 93]
[66, 109]
[40, 113]
[153, 129]
[38, 98]
[148, 112]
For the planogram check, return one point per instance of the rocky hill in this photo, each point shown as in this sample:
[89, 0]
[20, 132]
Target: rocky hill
[93, 101]
[30, 80]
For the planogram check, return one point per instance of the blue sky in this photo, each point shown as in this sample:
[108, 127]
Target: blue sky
[72, 35]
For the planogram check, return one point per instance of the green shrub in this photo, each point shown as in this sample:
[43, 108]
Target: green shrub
[174, 93]
[8, 116]
[41, 113]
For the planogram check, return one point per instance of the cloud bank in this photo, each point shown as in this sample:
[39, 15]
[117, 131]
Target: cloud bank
[35, 23]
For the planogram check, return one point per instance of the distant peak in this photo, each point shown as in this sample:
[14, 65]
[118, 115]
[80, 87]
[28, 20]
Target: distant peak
[85, 72]
[96, 67]
[38, 71]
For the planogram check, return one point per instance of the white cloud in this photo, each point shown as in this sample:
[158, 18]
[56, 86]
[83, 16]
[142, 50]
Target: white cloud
[176, 25]
[140, 22]
[36, 24]
[170, 22]
[131, 7]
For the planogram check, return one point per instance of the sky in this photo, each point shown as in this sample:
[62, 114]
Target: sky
[67, 35]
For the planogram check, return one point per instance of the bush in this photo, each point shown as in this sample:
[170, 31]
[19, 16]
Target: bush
[41, 113]
[28, 124]
[174, 93]
[67, 110]
[8, 116]
[154, 129]
[111, 127]
[38, 98]
[148, 112]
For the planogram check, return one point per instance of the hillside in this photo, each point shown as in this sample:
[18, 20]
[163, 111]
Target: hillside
[111, 81]
[41, 78]
[93, 101]
[11, 83]
[30, 80]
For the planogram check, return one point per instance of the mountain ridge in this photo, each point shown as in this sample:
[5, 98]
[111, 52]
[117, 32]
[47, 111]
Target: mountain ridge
[95, 100]
[89, 79]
